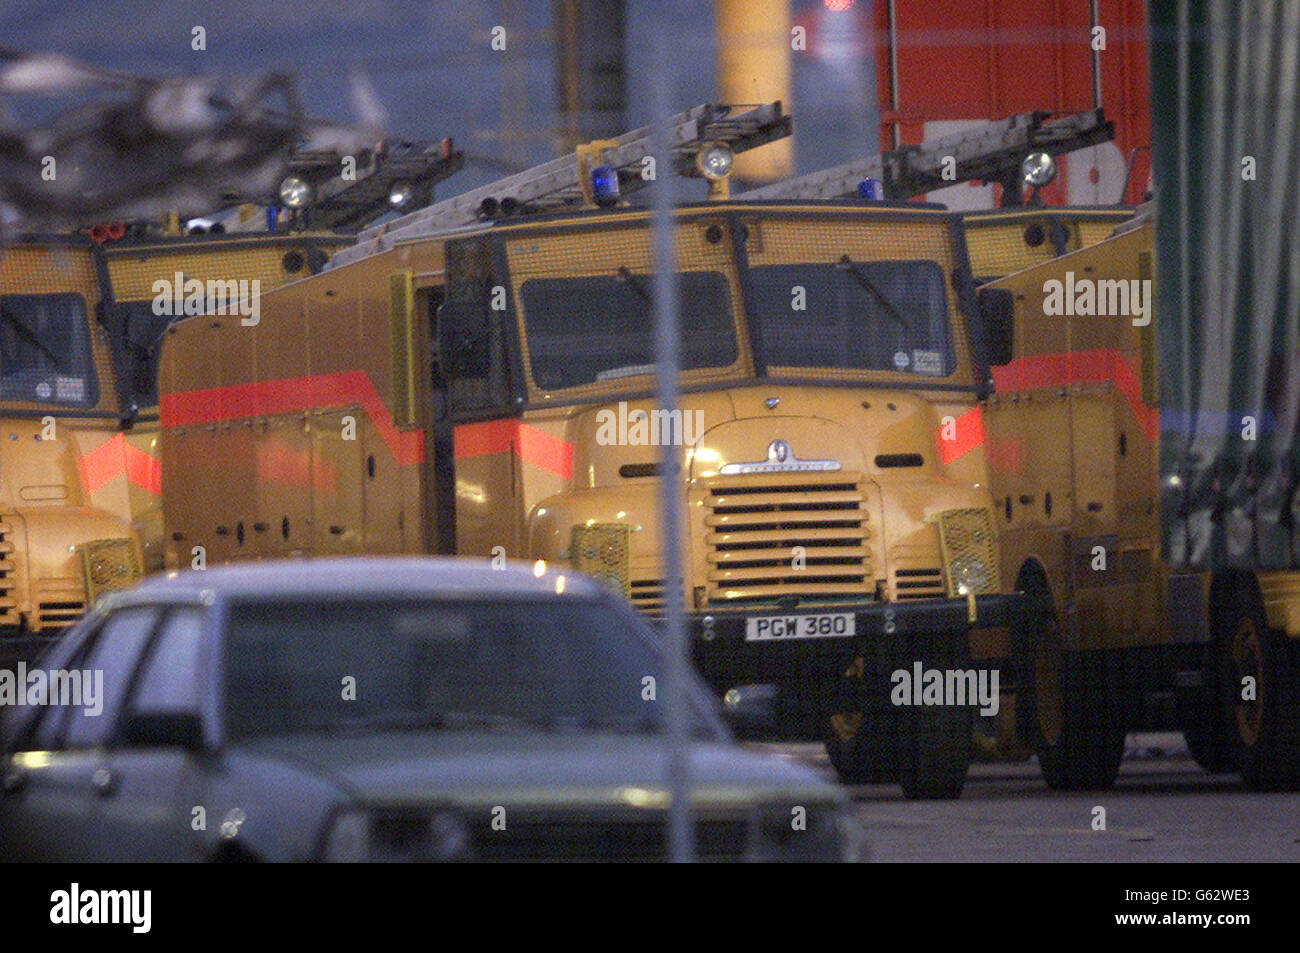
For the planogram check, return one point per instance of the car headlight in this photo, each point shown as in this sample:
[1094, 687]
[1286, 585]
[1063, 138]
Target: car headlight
[854, 846]
[799, 831]
[358, 835]
[348, 840]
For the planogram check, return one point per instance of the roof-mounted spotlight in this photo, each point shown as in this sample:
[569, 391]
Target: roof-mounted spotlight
[295, 193]
[714, 161]
[1038, 169]
[400, 193]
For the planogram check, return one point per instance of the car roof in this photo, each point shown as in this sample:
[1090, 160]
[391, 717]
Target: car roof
[376, 576]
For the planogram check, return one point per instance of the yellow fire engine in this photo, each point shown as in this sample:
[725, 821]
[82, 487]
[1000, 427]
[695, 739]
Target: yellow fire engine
[486, 388]
[1122, 642]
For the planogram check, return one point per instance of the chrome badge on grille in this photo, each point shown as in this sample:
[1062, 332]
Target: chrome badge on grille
[780, 459]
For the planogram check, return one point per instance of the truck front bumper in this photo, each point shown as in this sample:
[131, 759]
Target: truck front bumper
[888, 636]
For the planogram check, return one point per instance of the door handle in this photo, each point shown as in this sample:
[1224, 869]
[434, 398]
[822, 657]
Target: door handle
[104, 782]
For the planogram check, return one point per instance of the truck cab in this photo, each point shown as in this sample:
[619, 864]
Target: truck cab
[61, 545]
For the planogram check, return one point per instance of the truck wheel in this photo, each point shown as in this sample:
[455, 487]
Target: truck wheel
[861, 749]
[1266, 721]
[857, 753]
[1072, 713]
[1209, 742]
[935, 748]
[1208, 731]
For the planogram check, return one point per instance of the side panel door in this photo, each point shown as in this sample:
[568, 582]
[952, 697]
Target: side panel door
[337, 450]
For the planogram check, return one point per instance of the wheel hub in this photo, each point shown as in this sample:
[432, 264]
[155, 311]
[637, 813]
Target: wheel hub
[1247, 661]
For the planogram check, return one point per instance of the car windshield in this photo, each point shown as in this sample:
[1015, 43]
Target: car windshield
[45, 354]
[443, 666]
[598, 328]
[854, 315]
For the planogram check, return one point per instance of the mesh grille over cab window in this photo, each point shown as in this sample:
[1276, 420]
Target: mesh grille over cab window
[600, 328]
[45, 350]
[855, 315]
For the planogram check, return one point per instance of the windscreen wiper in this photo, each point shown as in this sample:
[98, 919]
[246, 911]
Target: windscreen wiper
[30, 336]
[860, 276]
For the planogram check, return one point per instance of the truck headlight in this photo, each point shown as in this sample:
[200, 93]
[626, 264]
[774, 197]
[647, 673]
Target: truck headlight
[400, 193]
[969, 551]
[1038, 169]
[601, 551]
[969, 574]
[714, 160]
[109, 564]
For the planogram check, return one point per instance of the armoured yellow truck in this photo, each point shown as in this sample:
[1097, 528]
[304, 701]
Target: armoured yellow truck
[486, 388]
[57, 549]
[144, 275]
[1121, 640]
[151, 282]
[87, 316]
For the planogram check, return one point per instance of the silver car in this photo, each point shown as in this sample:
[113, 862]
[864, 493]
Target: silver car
[379, 709]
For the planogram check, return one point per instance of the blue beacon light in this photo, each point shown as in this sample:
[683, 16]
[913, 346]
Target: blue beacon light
[604, 185]
[873, 190]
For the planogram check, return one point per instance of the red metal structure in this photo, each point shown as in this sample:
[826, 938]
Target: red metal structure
[941, 66]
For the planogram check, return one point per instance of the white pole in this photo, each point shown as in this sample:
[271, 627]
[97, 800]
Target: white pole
[681, 834]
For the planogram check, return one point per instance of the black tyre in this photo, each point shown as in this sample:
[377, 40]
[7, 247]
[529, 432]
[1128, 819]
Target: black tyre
[858, 753]
[1261, 694]
[1072, 710]
[862, 748]
[936, 742]
[935, 750]
[1210, 742]
[1206, 726]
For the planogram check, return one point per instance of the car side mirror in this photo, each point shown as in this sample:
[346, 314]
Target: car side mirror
[750, 711]
[998, 310]
[172, 729]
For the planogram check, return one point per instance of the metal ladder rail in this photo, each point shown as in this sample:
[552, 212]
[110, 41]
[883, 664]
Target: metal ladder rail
[990, 152]
[556, 184]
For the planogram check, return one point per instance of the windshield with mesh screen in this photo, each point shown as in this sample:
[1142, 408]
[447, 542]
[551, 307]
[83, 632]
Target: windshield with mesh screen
[855, 315]
[45, 352]
[601, 328]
